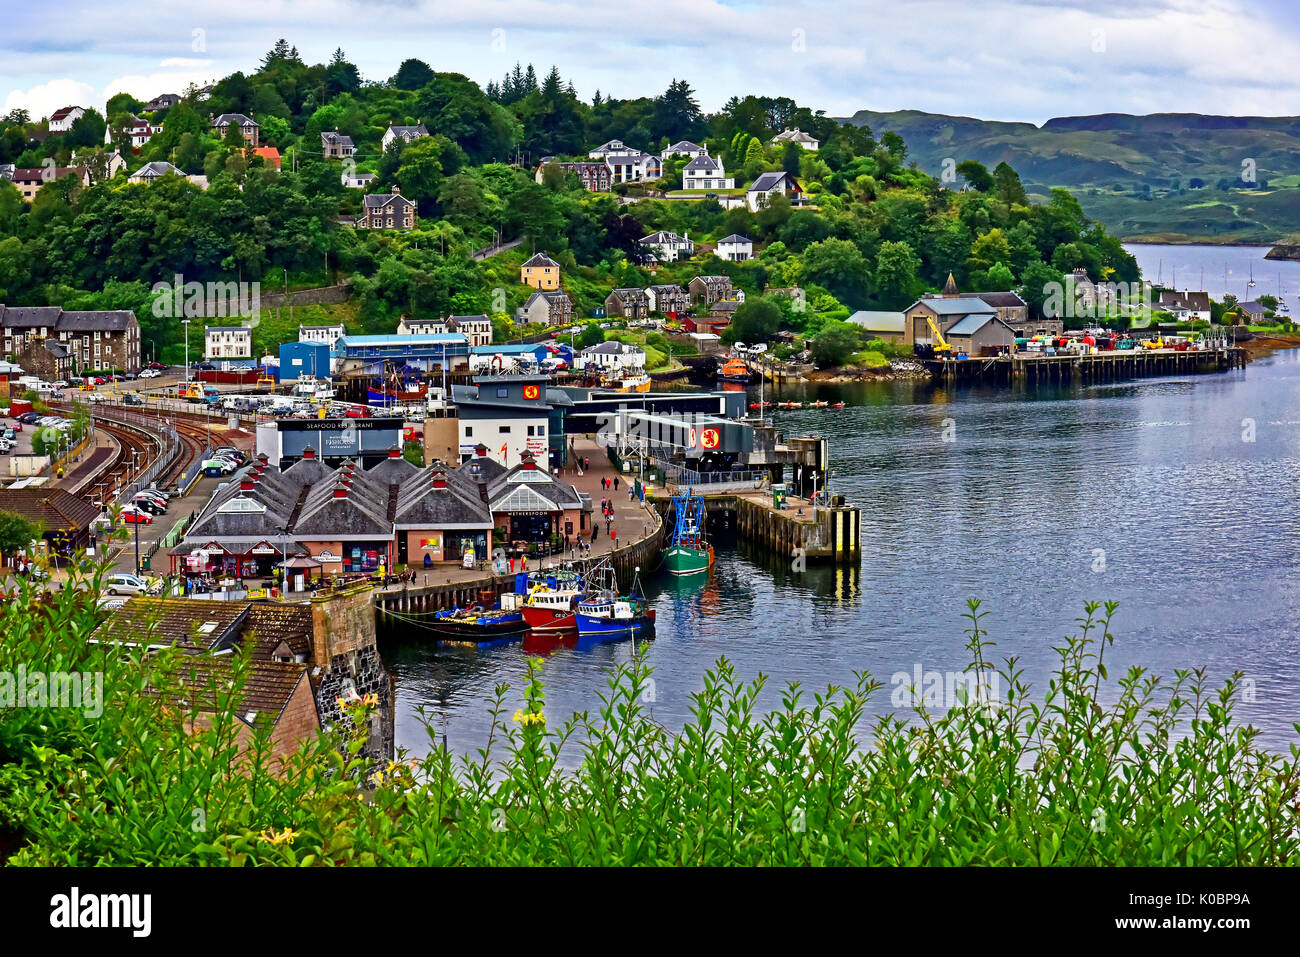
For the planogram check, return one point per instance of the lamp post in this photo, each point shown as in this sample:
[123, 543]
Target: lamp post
[186, 324]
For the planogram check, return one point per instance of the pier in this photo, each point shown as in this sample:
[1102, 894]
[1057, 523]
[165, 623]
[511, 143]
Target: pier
[1110, 365]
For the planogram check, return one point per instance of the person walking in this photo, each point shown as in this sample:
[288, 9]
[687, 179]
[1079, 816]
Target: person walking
[615, 483]
[613, 535]
[586, 463]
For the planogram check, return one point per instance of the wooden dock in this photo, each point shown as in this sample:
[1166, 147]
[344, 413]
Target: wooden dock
[1094, 367]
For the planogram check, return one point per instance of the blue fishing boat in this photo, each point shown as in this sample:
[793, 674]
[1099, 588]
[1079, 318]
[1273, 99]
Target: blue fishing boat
[604, 615]
[480, 625]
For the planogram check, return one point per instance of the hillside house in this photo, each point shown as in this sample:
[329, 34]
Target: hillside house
[246, 124]
[407, 134]
[540, 272]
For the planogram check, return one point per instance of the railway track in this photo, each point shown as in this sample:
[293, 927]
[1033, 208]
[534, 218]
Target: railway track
[135, 452]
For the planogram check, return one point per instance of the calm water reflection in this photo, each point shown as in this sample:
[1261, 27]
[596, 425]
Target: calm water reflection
[1144, 492]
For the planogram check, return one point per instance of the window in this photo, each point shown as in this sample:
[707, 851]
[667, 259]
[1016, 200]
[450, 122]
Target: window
[530, 431]
[469, 431]
[502, 392]
[504, 430]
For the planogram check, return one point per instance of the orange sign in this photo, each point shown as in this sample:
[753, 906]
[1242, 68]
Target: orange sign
[532, 391]
[709, 438]
[694, 437]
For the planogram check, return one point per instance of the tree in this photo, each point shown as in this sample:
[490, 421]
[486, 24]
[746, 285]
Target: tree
[836, 342]
[341, 76]
[1008, 187]
[897, 266]
[976, 175]
[16, 533]
[592, 335]
[757, 320]
[838, 265]
[412, 75]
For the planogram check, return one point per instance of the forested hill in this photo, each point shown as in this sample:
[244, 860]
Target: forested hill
[869, 230]
[1164, 175]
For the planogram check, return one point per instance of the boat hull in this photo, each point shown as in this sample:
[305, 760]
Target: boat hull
[594, 628]
[549, 620]
[681, 560]
[482, 630]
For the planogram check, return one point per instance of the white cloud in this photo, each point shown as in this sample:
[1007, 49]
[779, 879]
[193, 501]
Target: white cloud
[40, 101]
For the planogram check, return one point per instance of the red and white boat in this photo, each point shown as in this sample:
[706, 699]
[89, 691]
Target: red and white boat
[550, 606]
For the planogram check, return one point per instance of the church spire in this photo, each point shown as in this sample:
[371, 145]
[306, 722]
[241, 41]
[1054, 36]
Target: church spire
[950, 287]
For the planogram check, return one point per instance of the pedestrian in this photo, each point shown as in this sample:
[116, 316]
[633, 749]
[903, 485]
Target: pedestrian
[586, 463]
[615, 483]
[523, 563]
[613, 534]
[631, 493]
[512, 566]
[566, 541]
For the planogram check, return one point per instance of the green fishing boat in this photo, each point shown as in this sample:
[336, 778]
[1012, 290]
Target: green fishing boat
[688, 552]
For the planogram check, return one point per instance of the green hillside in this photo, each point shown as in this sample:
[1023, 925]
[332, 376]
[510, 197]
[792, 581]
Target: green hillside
[1175, 176]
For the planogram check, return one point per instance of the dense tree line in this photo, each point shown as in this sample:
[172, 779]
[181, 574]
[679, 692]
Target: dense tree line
[881, 233]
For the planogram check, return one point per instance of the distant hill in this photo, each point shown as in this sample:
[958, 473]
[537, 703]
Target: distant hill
[1134, 173]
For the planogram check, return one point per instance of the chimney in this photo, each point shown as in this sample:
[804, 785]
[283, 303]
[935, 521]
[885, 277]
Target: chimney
[526, 461]
[394, 453]
[397, 191]
[440, 479]
[246, 485]
[480, 450]
[340, 491]
[309, 453]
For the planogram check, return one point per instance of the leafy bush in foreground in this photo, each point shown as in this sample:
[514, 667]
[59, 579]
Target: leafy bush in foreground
[1161, 776]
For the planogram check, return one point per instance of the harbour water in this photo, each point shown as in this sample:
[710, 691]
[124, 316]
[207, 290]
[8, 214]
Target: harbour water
[1177, 497]
[1220, 269]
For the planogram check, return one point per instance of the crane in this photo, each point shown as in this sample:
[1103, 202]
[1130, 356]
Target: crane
[942, 346]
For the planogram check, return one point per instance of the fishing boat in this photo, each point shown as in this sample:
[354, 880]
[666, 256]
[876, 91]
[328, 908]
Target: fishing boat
[628, 383]
[551, 602]
[481, 625]
[688, 550]
[734, 370]
[604, 615]
[389, 393]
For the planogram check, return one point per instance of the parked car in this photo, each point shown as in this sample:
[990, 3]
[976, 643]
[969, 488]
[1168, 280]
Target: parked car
[134, 515]
[124, 583]
[144, 495]
[96, 397]
[18, 426]
[150, 374]
[132, 399]
[148, 505]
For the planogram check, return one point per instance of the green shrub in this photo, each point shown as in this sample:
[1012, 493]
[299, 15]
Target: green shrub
[1094, 771]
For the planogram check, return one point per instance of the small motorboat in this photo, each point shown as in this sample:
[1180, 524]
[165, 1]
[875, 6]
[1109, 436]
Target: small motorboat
[480, 625]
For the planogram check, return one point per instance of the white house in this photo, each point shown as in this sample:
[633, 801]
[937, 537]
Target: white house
[476, 329]
[735, 248]
[355, 180]
[768, 183]
[612, 356]
[683, 148]
[152, 171]
[326, 334]
[139, 130]
[404, 133]
[227, 342]
[61, 120]
[613, 148]
[633, 167]
[796, 136]
[706, 172]
[669, 247]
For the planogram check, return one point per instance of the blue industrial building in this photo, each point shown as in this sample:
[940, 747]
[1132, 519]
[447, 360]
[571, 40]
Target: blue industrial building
[524, 352]
[298, 359]
[428, 353]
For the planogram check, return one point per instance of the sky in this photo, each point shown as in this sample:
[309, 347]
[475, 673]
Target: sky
[1025, 60]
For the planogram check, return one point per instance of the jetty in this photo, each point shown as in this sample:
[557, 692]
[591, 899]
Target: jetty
[1109, 365]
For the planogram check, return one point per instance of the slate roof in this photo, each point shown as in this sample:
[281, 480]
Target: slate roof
[1001, 300]
[56, 509]
[702, 163]
[541, 259]
[380, 200]
[521, 489]
[770, 181]
[156, 168]
[736, 238]
[393, 471]
[412, 131]
[682, 146]
[961, 306]
[455, 505]
[105, 320]
[334, 138]
[972, 324]
[238, 119]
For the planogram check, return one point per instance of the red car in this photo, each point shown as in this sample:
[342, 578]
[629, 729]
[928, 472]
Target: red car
[357, 412]
[17, 426]
[134, 516]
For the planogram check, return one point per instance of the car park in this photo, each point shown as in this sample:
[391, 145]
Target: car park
[133, 515]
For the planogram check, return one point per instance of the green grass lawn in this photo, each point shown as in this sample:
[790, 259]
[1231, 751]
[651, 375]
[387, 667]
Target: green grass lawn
[869, 359]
